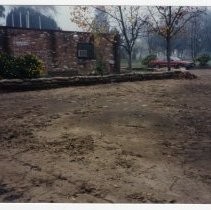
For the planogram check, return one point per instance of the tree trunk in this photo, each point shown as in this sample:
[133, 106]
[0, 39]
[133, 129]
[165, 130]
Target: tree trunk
[116, 49]
[168, 53]
[148, 43]
[130, 61]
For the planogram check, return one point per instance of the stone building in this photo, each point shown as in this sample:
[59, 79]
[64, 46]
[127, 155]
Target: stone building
[63, 52]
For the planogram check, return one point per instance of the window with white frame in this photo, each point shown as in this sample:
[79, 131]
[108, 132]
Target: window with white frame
[85, 51]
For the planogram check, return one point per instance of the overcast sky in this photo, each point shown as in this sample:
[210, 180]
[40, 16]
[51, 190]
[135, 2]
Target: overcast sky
[62, 17]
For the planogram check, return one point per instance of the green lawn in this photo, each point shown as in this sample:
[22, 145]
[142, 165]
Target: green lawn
[135, 63]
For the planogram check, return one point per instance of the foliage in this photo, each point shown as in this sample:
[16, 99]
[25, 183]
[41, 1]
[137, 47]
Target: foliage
[148, 59]
[34, 18]
[203, 59]
[128, 21]
[7, 66]
[168, 21]
[100, 60]
[29, 66]
[100, 67]
[25, 66]
[192, 41]
[100, 22]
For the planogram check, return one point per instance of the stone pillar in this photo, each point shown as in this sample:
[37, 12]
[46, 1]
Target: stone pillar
[116, 45]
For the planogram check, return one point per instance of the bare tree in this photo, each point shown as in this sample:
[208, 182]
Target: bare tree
[206, 32]
[127, 20]
[100, 21]
[167, 21]
[195, 30]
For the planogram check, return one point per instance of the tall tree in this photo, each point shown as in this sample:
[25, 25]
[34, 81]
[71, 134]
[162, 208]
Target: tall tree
[195, 34]
[100, 22]
[127, 20]
[206, 31]
[155, 43]
[180, 43]
[168, 21]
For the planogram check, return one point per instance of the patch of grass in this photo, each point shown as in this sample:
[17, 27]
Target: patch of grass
[135, 64]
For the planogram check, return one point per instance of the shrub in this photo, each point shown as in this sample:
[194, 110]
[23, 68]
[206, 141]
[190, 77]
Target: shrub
[203, 59]
[6, 66]
[26, 66]
[100, 67]
[146, 61]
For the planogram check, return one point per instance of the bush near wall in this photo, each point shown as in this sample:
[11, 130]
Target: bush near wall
[6, 66]
[203, 59]
[146, 61]
[100, 67]
[25, 66]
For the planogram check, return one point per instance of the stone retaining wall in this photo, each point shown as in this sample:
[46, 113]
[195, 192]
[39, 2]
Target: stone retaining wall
[56, 82]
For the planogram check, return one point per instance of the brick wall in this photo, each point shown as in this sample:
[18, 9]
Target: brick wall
[57, 49]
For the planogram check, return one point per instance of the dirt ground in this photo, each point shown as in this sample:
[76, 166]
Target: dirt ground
[135, 142]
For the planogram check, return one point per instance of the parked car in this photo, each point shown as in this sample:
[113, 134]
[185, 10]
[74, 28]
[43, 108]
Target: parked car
[175, 63]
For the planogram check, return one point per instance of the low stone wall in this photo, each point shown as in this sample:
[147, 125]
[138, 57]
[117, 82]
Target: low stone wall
[8, 85]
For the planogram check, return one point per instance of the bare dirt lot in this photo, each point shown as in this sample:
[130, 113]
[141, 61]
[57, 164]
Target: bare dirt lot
[137, 142]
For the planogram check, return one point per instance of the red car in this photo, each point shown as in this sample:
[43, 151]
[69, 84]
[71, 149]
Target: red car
[175, 63]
